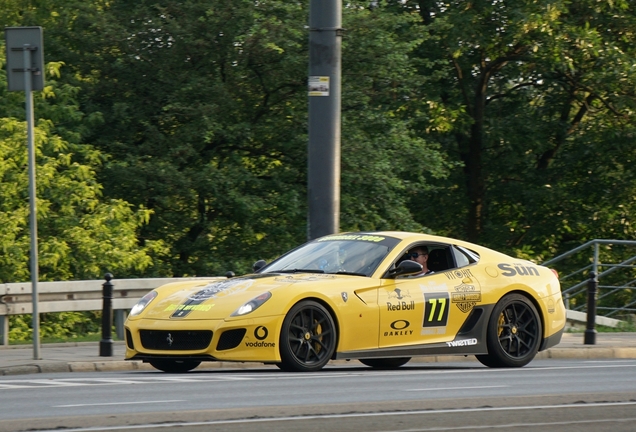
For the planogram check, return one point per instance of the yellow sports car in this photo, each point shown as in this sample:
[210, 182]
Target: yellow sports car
[379, 297]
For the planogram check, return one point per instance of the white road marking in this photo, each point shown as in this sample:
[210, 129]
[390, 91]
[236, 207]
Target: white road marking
[234, 376]
[454, 388]
[14, 386]
[117, 403]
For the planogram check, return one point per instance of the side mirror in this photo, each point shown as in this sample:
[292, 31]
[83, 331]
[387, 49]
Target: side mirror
[258, 265]
[406, 267]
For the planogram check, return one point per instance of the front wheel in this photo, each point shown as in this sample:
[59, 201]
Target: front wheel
[385, 363]
[514, 333]
[174, 366]
[308, 338]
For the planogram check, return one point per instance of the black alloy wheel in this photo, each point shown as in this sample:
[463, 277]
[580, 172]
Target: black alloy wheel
[174, 366]
[308, 338]
[514, 333]
[385, 363]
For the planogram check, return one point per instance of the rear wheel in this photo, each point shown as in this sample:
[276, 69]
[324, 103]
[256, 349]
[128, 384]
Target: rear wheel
[514, 333]
[308, 338]
[385, 363]
[174, 366]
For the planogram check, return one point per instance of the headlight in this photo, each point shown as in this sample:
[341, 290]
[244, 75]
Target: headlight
[253, 304]
[141, 304]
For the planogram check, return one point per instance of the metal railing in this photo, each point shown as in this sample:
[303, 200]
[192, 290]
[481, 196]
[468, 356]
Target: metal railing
[613, 262]
[70, 296]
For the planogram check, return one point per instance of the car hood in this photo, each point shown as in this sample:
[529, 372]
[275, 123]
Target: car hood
[218, 298]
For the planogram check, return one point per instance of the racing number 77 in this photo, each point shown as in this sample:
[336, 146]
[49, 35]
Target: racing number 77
[436, 307]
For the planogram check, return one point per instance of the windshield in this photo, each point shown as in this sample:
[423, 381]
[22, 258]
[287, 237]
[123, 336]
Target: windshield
[336, 256]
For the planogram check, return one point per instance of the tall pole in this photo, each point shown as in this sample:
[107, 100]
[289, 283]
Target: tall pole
[325, 37]
[33, 220]
[25, 72]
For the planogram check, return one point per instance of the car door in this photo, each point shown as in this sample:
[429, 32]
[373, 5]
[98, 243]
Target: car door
[413, 309]
[427, 309]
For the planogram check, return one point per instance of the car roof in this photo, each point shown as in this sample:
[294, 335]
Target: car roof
[422, 237]
[405, 235]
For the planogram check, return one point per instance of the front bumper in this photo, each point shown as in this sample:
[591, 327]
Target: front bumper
[204, 340]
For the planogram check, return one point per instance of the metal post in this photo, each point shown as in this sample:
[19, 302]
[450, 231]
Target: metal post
[325, 37]
[33, 220]
[595, 261]
[4, 330]
[29, 77]
[106, 344]
[119, 315]
[592, 289]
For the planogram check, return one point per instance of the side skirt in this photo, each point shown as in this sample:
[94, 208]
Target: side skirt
[470, 340]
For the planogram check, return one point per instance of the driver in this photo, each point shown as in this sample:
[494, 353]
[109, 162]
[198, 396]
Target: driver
[419, 254]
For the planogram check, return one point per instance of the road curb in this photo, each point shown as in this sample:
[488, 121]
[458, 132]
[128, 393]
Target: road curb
[107, 366]
[588, 353]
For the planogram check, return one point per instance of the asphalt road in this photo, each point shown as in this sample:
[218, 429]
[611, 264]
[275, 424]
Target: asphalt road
[547, 394]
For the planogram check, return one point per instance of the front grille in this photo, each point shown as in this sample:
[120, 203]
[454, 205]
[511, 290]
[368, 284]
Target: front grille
[230, 339]
[177, 340]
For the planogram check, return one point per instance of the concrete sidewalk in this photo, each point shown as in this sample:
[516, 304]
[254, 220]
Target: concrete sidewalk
[84, 357]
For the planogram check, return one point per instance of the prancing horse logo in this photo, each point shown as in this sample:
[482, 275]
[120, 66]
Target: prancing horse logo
[169, 339]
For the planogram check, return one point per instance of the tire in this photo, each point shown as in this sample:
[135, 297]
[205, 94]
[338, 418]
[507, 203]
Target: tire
[514, 333]
[308, 338]
[385, 363]
[174, 366]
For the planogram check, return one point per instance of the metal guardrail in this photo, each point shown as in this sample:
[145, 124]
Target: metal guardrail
[610, 271]
[72, 296]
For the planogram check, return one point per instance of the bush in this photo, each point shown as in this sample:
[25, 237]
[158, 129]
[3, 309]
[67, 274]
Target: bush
[56, 326]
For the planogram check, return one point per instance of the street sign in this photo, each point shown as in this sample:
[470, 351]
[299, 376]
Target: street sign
[19, 39]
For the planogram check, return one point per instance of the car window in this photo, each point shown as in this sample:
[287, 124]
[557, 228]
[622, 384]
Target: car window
[439, 256]
[359, 257]
[464, 257]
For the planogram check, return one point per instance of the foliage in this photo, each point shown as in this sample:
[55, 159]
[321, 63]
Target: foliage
[81, 235]
[205, 122]
[535, 100]
[62, 326]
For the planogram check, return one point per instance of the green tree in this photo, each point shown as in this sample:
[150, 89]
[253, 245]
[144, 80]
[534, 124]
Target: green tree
[205, 114]
[534, 99]
[385, 161]
[81, 234]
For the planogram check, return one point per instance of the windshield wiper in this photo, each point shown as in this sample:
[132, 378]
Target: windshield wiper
[301, 271]
[350, 273]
